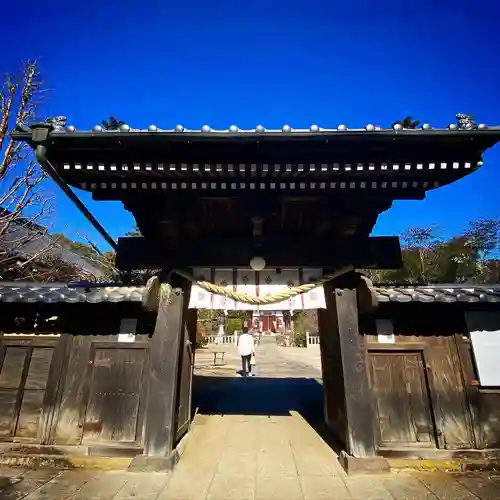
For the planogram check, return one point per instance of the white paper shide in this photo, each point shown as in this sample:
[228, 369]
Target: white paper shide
[257, 284]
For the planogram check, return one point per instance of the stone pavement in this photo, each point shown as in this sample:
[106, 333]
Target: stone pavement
[310, 356]
[252, 439]
[272, 361]
[238, 458]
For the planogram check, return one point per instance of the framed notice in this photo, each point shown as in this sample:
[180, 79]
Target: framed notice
[486, 346]
[128, 327]
[385, 331]
[484, 329]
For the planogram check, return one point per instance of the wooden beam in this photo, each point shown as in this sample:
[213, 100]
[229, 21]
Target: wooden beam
[349, 406]
[162, 404]
[100, 193]
[279, 251]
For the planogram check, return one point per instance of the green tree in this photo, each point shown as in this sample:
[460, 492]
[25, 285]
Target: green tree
[482, 237]
[418, 253]
[466, 258]
[454, 261]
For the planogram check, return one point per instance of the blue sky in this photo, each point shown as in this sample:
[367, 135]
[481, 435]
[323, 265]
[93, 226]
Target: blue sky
[269, 62]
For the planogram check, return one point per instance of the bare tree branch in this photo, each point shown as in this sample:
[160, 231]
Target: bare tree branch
[24, 204]
[27, 251]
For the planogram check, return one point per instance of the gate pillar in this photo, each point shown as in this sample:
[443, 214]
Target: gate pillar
[349, 406]
[170, 374]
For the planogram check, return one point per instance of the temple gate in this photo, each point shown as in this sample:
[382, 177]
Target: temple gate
[268, 219]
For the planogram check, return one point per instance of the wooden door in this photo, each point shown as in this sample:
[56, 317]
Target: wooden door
[115, 388]
[185, 381]
[452, 411]
[265, 323]
[28, 383]
[402, 396]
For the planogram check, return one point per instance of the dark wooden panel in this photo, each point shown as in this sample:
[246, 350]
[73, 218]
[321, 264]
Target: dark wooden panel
[432, 328]
[8, 413]
[11, 378]
[401, 391]
[24, 388]
[418, 397]
[30, 415]
[390, 393]
[69, 427]
[112, 413]
[39, 369]
[452, 413]
[469, 376]
[287, 250]
[489, 417]
[12, 367]
[392, 401]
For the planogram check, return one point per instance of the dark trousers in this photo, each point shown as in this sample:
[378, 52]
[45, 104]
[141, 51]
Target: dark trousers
[245, 364]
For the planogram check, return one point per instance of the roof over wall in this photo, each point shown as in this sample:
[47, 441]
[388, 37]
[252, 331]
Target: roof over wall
[439, 293]
[26, 239]
[60, 293]
[47, 246]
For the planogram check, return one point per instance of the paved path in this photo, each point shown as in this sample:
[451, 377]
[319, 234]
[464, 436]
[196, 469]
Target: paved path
[233, 473]
[253, 439]
[310, 356]
[272, 361]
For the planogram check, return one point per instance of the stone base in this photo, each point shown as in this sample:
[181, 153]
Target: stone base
[365, 465]
[142, 463]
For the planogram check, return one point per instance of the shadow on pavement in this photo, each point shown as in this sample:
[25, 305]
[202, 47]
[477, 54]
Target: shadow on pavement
[263, 396]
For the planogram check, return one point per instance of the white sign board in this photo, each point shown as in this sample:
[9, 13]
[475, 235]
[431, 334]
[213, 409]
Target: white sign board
[484, 330]
[486, 346]
[128, 327]
[126, 337]
[385, 331]
[386, 339]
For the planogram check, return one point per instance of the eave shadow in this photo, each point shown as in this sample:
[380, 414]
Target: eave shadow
[215, 395]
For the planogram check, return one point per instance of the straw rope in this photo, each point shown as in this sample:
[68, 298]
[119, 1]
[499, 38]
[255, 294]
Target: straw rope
[154, 288]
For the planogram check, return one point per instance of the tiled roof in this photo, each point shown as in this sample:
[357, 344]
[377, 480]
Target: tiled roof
[58, 126]
[25, 239]
[25, 244]
[58, 292]
[439, 293]
[285, 129]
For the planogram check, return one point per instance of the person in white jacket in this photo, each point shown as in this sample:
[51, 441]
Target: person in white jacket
[246, 348]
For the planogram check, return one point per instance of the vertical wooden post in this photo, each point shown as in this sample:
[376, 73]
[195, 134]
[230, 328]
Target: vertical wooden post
[165, 359]
[186, 372]
[349, 408]
[164, 353]
[191, 324]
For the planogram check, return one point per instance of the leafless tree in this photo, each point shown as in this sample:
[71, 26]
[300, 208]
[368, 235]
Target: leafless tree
[24, 204]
